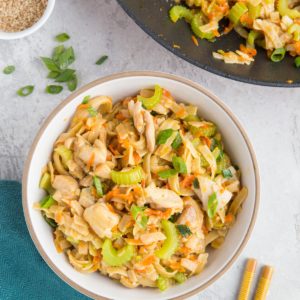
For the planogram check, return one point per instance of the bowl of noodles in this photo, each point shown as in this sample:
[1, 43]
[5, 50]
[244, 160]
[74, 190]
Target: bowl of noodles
[141, 184]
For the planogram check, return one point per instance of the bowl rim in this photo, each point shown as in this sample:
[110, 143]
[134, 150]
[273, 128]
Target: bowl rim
[121, 75]
[30, 30]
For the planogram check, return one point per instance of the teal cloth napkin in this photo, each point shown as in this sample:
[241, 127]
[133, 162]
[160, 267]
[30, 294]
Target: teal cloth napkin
[23, 273]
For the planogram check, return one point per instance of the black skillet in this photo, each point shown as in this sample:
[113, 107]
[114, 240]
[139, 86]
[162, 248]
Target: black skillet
[152, 16]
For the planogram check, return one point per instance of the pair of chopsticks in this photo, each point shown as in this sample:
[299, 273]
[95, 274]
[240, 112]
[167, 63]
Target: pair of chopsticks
[263, 283]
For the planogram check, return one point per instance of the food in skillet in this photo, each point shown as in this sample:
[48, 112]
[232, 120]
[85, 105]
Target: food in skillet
[271, 24]
[138, 190]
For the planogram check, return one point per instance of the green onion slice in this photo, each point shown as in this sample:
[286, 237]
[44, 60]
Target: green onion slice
[149, 103]
[165, 174]
[98, 185]
[177, 141]
[178, 11]
[8, 70]
[226, 173]
[236, 12]
[47, 202]
[101, 60]
[297, 62]
[278, 55]
[212, 205]
[65, 75]
[92, 111]
[72, 83]
[86, 99]
[54, 89]
[163, 136]
[25, 90]
[50, 64]
[179, 164]
[62, 37]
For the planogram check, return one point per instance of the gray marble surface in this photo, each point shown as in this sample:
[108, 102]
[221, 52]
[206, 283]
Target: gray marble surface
[271, 117]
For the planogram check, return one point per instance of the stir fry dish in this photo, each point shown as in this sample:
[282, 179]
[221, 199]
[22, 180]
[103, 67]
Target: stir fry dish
[140, 190]
[273, 25]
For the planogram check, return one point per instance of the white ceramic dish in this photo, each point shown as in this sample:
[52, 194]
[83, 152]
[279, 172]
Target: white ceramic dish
[33, 28]
[118, 86]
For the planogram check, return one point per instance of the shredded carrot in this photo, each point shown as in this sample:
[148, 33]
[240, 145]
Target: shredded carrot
[229, 218]
[249, 51]
[83, 106]
[137, 191]
[195, 41]
[91, 160]
[180, 113]
[134, 242]
[142, 250]
[207, 141]
[184, 250]
[187, 181]
[136, 157]
[166, 93]
[120, 116]
[110, 207]
[143, 183]
[140, 270]
[204, 229]
[216, 33]
[245, 18]
[148, 260]
[109, 157]
[58, 217]
[163, 214]
[177, 266]
[111, 148]
[116, 193]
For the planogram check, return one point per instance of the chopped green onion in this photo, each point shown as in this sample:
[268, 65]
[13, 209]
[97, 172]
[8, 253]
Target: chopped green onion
[207, 130]
[50, 222]
[52, 74]
[252, 36]
[165, 174]
[178, 11]
[57, 52]
[50, 64]
[132, 176]
[179, 165]
[162, 283]
[54, 89]
[92, 111]
[47, 202]
[223, 163]
[149, 103]
[297, 62]
[98, 186]
[174, 217]
[72, 83]
[62, 37]
[45, 182]
[25, 90]
[8, 70]
[191, 118]
[180, 277]
[236, 12]
[212, 205]
[101, 60]
[254, 11]
[184, 230]
[196, 184]
[196, 23]
[170, 243]
[226, 173]
[177, 141]
[65, 75]
[278, 55]
[66, 58]
[163, 136]
[136, 211]
[116, 258]
[86, 99]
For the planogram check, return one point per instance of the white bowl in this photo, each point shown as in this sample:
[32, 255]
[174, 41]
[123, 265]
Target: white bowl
[33, 28]
[118, 86]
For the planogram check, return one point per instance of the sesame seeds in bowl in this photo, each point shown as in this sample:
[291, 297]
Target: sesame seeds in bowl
[20, 18]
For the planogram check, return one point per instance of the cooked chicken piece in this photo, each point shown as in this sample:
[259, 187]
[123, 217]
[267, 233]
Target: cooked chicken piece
[74, 169]
[122, 131]
[207, 187]
[124, 223]
[66, 185]
[103, 171]
[163, 198]
[189, 264]
[101, 219]
[86, 199]
[86, 181]
[96, 154]
[149, 238]
[196, 242]
[136, 110]
[150, 131]
[191, 215]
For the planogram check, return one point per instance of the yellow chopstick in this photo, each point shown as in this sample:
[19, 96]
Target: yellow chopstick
[247, 279]
[264, 283]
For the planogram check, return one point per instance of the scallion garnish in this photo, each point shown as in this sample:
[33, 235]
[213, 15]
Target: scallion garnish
[54, 89]
[92, 111]
[184, 230]
[212, 205]
[101, 60]
[165, 174]
[179, 164]
[278, 54]
[163, 136]
[226, 173]
[177, 142]
[297, 62]
[25, 90]
[8, 70]
[86, 99]
[62, 37]
[98, 186]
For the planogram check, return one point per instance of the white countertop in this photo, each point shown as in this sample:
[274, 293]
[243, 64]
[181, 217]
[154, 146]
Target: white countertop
[271, 117]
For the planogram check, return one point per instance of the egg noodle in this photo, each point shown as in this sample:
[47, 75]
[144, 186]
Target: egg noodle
[271, 24]
[140, 189]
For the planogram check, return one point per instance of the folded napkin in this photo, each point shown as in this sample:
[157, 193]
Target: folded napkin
[23, 272]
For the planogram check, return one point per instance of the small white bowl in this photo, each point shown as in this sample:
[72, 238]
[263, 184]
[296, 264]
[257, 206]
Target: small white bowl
[118, 86]
[33, 28]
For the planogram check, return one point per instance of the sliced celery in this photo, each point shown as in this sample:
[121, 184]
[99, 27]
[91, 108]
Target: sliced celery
[178, 11]
[149, 103]
[132, 176]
